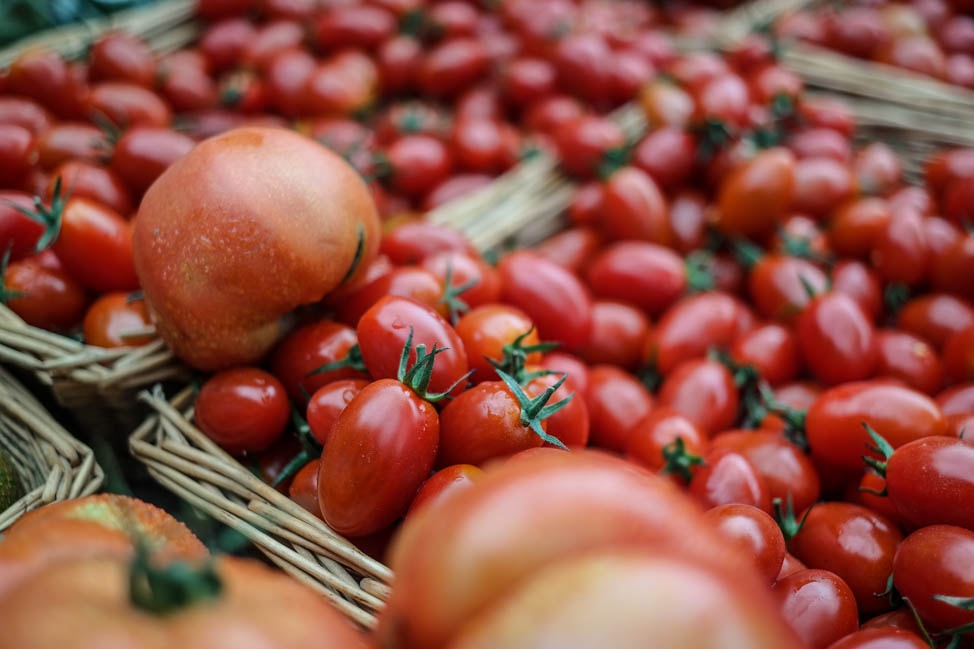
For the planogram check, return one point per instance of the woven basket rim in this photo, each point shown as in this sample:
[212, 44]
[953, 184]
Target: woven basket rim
[60, 466]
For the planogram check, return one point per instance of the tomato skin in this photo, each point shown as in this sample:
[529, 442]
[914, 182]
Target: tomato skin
[583, 141]
[304, 487]
[861, 282]
[834, 421]
[836, 339]
[958, 356]
[855, 543]
[772, 350]
[486, 330]
[755, 196]
[646, 274]
[411, 241]
[119, 56]
[466, 268]
[880, 638]
[328, 402]
[900, 253]
[616, 402]
[452, 66]
[443, 484]
[94, 181]
[935, 316]
[571, 425]
[618, 334]
[931, 481]
[142, 153]
[306, 349]
[633, 207]
[555, 299]
[726, 477]
[779, 285]
[243, 410]
[51, 298]
[382, 333]
[668, 155]
[936, 560]
[703, 390]
[27, 113]
[910, 358]
[818, 605]
[413, 282]
[755, 532]
[659, 428]
[417, 164]
[379, 452]
[112, 318]
[127, 104]
[854, 226]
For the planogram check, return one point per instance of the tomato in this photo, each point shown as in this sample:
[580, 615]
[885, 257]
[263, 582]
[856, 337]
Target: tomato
[570, 424]
[19, 233]
[18, 153]
[328, 402]
[633, 207]
[69, 140]
[278, 204]
[378, 454]
[951, 264]
[836, 340]
[583, 64]
[43, 75]
[91, 180]
[933, 561]
[834, 421]
[855, 543]
[43, 293]
[957, 399]
[444, 484]
[27, 113]
[909, 358]
[452, 66]
[754, 532]
[617, 401]
[272, 38]
[125, 104]
[877, 168]
[184, 82]
[818, 605]
[755, 196]
[117, 319]
[119, 56]
[343, 84]
[487, 330]
[303, 489]
[725, 477]
[704, 390]
[781, 285]
[299, 358]
[771, 349]
[479, 280]
[879, 638]
[583, 141]
[668, 155]
[417, 163]
[526, 79]
[223, 42]
[398, 60]
[860, 282]
[353, 26]
[653, 438]
[555, 299]
[142, 153]
[413, 282]
[384, 329]
[243, 410]
[854, 226]
[930, 481]
[935, 316]
[478, 144]
[648, 275]
[694, 325]
[618, 334]
[412, 240]
[958, 356]
[286, 74]
[900, 252]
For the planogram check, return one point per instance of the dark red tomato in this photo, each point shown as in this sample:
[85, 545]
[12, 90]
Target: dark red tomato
[300, 358]
[43, 293]
[184, 81]
[18, 154]
[617, 401]
[43, 75]
[703, 390]
[784, 467]
[555, 299]
[888, 638]
[860, 282]
[94, 181]
[660, 429]
[126, 104]
[19, 233]
[417, 163]
[26, 113]
[878, 169]
[836, 339]
[583, 62]
[286, 76]
[725, 478]
[456, 186]
[95, 246]
[834, 421]
[328, 402]
[909, 358]
[573, 366]
[586, 203]
[583, 142]
[931, 481]
[935, 561]
[272, 38]
[465, 269]
[384, 329]
[899, 618]
[818, 605]
[668, 155]
[70, 140]
[378, 454]
[410, 241]
[453, 18]
[478, 144]
[935, 317]
[452, 66]
[790, 566]
[443, 484]
[855, 543]
[487, 330]
[633, 207]
[618, 334]
[900, 252]
[957, 399]
[781, 285]
[854, 226]
[408, 281]
[242, 410]
[548, 114]
[571, 424]
[815, 142]
[756, 195]
[958, 356]
[303, 488]
[343, 84]
[725, 98]
[481, 101]
[354, 26]
[410, 117]
[648, 275]
[526, 80]
[222, 43]
[821, 184]
[754, 532]
[117, 319]
[694, 325]
[144, 152]
[121, 56]
[950, 266]
[771, 349]
[574, 247]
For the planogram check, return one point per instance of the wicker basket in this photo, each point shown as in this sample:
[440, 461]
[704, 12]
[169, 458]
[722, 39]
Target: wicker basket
[51, 463]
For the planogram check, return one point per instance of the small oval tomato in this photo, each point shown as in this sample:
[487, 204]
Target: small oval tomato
[646, 274]
[633, 207]
[900, 252]
[144, 152]
[412, 240]
[91, 180]
[668, 155]
[855, 225]
[836, 339]
[935, 316]
[43, 293]
[818, 605]
[703, 390]
[756, 195]
[570, 424]
[881, 638]
[931, 481]
[860, 282]
[121, 56]
[725, 477]
[328, 402]
[117, 319]
[909, 358]
[452, 66]
[469, 271]
[304, 487]
[781, 285]
[655, 434]
[416, 163]
[487, 330]
[313, 355]
[753, 531]
[413, 282]
[243, 410]
[617, 401]
[19, 233]
[378, 454]
[443, 484]
[583, 142]
[125, 104]
[772, 350]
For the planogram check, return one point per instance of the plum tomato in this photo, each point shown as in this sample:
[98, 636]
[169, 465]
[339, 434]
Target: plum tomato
[243, 409]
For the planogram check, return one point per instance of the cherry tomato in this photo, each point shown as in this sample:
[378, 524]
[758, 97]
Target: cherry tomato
[413, 282]
[378, 454]
[19, 233]
[243, 410]
[64, 141]
[648, 275]
[877, 168]
[487, 330]
[618, 334]
[820, 185]
[881, 638]
[43, 75]
[753, 531]
[617, 401]
[935, 316]
[583, 142]
[958, 356]
[633, 207]
[860, 282]
[452, 66]
[94, 181]
[668, 155]
[43, 293]
[143, 152]
[574, 247]
[412, 240]
[444, 484]
[656, 432]
[781, 285]
[300, 359]
[125, 104]
[328, 402]
[755, 196]
[417, 163]
[703, 390]
[909, 358]
[465, 269]
[836, 339]
[771, 349]
[725, 478]
[900, 252]
[27, 113]
[354, 26]
[818, 605]
[930, 481]
[303, 488]
[854, 226]
[117, 319]
[570, 424]
[120, 56]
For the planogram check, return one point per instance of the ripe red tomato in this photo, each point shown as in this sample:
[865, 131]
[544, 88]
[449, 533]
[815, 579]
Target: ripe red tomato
[931, 480]
[781, 285]
[617, 401]
[91, 180]
[755, 196]
[43, 293]
[120, 56]
[618, 334]
[583, 142]
[377, 455]
[910, 359]
[243, 410]
[935, 316]
[19, 233]
[126, 104]
[328, 402]
[633, 207]
[704, 390]
[487, 330]
[836, 340]
[753, 531]
[444, 484]
[772, 350]
[818, 605]
[855, 225]
[655, 436]
[413, 282]
[881, 638]
[117, 319]
[725, 477]
[303, 488]
[646, 274]
[142, 153]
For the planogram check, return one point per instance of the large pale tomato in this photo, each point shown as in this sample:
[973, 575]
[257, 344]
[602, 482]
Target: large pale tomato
[242, 230]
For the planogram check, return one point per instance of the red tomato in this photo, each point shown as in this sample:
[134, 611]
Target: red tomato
[855, 543]
[654, 436]
[583, 142]
[834, 421]
[19, 233]
[704, 390]
[125, 104]
[570, 424]
[327, 403]
[909, 358]
[45, 295]
[43, 75]
[633, 207]
[142, 153]
[666, 103]
[304, 487]
[818, 605]
[888, 638]
[343, 84]
[900, 252]
[487, 331]
[756, 195]
[860, 282]
[935, 316]
[931, 480]
[117, 319]
[354, 26]
[243, 410]
[444, 484]
[300, 360]
[286, 74]
[836, 339]
[480, 281]
[754, 532]
[878, 169]
[27, 113]
[668, 155]
[120, 56]
[574, 247]
[648, 275]
[452, 66]
[958, 356]
[772, 350]
[18, 154]
[618, 334]
[91, 180]
[417, 163]
[726, 478]
[781, 285]
[413, 282]
[412, 240]
[617, 401]
[378, 454]
[69, 140]
[855, 225]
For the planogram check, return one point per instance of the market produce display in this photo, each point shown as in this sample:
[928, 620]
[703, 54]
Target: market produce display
[726, 404]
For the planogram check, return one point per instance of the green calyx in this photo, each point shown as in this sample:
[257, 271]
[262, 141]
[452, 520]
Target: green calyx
[48, 216]
[784, 513]
[352, 360]
[794, 419]
[163, 590]
[678, 461]
[417, 377]
[5, 294]
[455, 305]
[515, 358]
[698, 268]
[536, 410]
[880, 446]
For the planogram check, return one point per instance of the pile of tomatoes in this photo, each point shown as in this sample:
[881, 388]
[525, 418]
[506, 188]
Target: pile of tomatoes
[934, 38]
